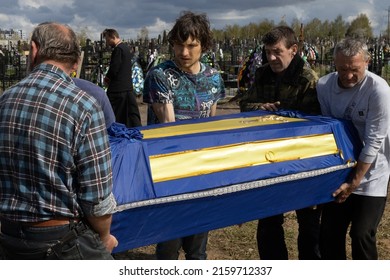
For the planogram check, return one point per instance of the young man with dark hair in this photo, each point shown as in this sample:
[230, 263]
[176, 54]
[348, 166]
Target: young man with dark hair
[185, 88]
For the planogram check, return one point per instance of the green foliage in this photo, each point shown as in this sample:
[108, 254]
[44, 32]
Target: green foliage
[360, 27]
[313, 30]
[82, 36]
[165, 38]
[338, 28]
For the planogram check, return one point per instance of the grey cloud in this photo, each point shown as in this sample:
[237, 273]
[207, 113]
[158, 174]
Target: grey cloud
[129, 16]
[139, 13]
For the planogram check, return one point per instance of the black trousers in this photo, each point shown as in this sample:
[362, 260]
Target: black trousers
[270, 236]
[194, 247]
[125, 107]
[363, 214]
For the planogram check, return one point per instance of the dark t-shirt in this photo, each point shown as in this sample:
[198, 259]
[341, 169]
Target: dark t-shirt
[100, 95]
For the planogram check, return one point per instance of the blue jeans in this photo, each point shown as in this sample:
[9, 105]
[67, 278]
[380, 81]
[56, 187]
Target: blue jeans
[194, 247]
[363, 213]
[67, 242]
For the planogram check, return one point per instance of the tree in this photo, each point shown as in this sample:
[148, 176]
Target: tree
[143, 34]
[313, 30]
[327, 28]
[339, 28]
[296, 26]
[165, 38]
[283, 22]
[218, 35]
[233, 31]
[360, 27]
[82, 36]
[249, 31]
[265, 26]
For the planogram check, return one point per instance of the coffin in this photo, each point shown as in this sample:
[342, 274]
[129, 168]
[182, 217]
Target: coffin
[194, 176]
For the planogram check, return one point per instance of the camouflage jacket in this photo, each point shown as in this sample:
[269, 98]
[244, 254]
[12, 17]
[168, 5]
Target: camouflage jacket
[296, 89]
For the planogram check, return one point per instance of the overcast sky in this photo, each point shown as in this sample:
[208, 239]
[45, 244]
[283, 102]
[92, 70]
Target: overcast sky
[129, 16]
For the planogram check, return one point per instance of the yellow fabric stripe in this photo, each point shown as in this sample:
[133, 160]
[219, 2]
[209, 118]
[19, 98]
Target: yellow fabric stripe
[226, 124]
[209, 160]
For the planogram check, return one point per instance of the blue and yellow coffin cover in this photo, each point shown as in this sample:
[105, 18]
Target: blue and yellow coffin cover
[194, 176]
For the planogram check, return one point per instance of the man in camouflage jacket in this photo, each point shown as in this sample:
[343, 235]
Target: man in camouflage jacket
[295, 89]
[285, 82]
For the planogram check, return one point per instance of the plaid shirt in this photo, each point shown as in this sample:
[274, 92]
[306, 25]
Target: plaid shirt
[55, 158]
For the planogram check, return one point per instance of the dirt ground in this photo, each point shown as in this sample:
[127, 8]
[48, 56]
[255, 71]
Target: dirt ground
[239, 242]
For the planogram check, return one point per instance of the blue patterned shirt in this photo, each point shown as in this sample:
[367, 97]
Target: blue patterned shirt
[55, 158]
[192, 95]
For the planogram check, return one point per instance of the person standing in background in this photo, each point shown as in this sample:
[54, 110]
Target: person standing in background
[56, 199]
[356, 94]
[119, 81]
[284, 82]
[181, 89]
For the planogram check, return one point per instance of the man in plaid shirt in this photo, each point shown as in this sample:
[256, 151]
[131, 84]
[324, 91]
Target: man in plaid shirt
[55, 162]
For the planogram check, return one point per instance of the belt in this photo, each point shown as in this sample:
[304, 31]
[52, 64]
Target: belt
[55, 229]
[47, 223]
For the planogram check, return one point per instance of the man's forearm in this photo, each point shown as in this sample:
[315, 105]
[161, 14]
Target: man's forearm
[356, 176]
[101, 224]
[164, 112]
[358, 173]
